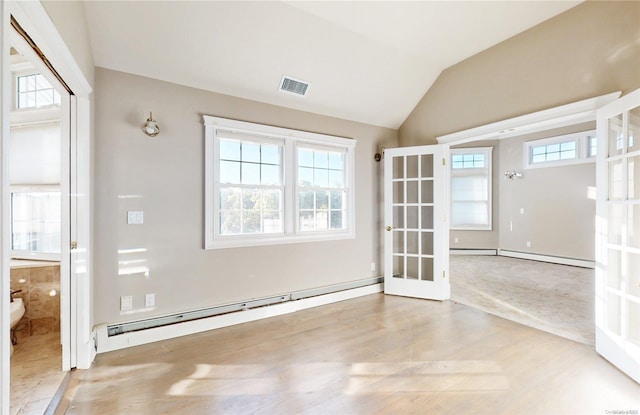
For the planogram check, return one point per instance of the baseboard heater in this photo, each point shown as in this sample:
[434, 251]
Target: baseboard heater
[107, 335]
[525, 255]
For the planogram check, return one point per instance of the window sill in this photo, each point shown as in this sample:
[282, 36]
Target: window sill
[244, 242]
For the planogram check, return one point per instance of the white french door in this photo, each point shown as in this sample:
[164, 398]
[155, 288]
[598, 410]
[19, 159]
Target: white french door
[618, 234]
[416, 243]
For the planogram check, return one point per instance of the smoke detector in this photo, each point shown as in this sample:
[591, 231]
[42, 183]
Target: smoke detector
[294, 86]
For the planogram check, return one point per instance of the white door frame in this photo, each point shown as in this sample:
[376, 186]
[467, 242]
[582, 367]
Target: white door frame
[36, 22]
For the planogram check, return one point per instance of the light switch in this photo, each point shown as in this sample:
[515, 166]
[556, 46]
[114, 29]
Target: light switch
[149, 300]
[135, 217]
[126, 303]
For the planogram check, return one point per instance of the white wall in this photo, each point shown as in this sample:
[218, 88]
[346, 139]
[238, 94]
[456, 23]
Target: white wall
[163, 177]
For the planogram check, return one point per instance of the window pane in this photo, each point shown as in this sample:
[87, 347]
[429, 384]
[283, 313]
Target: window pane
[336, 219]
[320, 159]
[270, 174]
[251, 222]
[230, 198]
[470, 191]
[272, 222]
[251, 199]
[306, 220]
[35, 221]
[305, 157]
[322, 219]
[336, 178]
[469, 213]
[321, 178]
[469, 188]
[230, 150]
[250, 173]
[270, 154]
[336, 161]
[250, 152]
[305, 199]
[305, 176]
[271, 200]
[229, 172]
[229, 222]
[42, 83]
[337, 199]
[322, 200]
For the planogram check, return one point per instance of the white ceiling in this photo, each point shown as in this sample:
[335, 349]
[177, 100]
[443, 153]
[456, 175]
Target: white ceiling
[366, 61]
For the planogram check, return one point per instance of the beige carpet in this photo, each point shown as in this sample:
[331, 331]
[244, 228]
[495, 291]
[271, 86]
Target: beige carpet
[558, 299]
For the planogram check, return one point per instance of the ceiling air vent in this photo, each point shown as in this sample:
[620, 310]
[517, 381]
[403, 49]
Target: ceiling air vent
[294, 86]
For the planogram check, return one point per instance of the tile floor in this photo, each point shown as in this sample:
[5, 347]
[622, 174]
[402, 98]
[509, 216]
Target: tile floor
[35, 373]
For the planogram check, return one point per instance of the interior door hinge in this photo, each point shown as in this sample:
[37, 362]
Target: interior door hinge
[74, 244]
[443, 274]
[444, 161]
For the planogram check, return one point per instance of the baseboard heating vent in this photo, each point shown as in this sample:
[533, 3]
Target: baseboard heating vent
[133, 326]
[122, 328]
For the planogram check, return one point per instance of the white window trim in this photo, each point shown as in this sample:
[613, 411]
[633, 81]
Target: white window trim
[290, 137]
[582, 150]
[488, 152]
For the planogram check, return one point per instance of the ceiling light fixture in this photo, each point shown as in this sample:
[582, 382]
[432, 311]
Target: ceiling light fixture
[150, 127]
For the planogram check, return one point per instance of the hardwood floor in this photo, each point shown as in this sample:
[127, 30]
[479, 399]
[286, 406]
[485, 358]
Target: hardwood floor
[372, 355]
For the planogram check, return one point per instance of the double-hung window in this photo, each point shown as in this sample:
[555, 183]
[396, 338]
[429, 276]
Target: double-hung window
[471, 188]
[269, 185]
[321, 188]
[250, 185]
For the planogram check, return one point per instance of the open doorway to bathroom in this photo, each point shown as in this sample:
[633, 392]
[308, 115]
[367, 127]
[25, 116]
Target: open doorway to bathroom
[36, 217]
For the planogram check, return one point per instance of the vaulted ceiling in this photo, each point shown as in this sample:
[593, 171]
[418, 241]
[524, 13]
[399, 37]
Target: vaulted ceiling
[369, 62]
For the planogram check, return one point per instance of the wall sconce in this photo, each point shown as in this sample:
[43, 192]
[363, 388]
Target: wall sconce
[512, 174]
[379, 156]
[150, 127]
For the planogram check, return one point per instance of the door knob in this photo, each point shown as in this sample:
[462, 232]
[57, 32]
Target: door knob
[389, 228]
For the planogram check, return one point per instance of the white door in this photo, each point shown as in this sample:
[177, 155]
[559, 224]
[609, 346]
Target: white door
[618, 234]
[416, 243]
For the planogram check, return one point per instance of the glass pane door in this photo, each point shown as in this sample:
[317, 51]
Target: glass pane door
[618, 235]
[413, 265]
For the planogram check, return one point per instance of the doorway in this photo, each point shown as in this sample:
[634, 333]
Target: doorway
[39, 219]
[523, 234]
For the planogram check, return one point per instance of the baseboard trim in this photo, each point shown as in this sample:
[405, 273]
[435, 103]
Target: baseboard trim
[463, 251]
[548, 258]
[105, 343]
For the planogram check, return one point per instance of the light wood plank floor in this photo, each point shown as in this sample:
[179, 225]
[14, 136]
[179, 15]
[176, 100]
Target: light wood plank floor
[372, 355]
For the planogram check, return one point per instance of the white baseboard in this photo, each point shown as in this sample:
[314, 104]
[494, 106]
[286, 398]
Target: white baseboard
[454, 251]
[136, 338]
[548, 258]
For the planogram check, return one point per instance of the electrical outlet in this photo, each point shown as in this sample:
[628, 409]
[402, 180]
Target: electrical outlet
[522, 211]
[149, 300]
[126, 303]
[528, 244]
[373, 266]
[456, 240]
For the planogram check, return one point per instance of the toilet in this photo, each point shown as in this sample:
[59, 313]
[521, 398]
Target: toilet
[16, 311]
